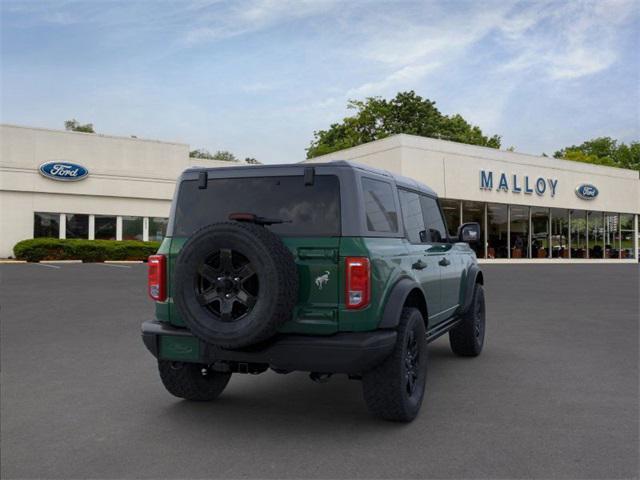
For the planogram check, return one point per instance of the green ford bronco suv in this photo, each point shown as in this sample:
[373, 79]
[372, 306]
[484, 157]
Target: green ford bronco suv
[324, 268]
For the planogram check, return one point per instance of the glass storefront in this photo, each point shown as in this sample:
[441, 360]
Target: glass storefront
[497, 230]
[595, 238]
[474, 212]
[559, 233]
[157, 228]
[105, 227]
[100, 227]
[611, 235]
[578, 234]
[46, 225]
[132, 228]
[451, 211]
[519, 233]
[508, 231]
[626, 236]
[77, 226]
[540, 232]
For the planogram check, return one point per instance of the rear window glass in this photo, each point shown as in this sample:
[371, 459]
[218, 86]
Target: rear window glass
[380, 207]
[308, 210]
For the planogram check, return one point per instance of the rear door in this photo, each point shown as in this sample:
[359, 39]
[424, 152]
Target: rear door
[442, 250]
[423, 262]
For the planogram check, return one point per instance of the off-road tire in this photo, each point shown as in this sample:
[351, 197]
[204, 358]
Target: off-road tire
[467, 338]
[385, 387]
[274, 266]
[186, 380]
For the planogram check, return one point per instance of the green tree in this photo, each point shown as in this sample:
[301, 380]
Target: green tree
[377, 118]
[604, 151]
[225, 156]
[252, 161]
[74, 126]
[222, 155]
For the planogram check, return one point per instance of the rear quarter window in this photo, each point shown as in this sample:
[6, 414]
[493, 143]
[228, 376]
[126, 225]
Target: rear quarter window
[380, 206]
[307, 210]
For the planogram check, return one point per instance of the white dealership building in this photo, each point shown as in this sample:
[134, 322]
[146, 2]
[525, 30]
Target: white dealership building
[125, 194]
[536, 209]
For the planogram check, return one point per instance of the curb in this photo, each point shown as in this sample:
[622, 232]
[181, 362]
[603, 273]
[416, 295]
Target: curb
[60, 261]
[124, 261]
[8, 261]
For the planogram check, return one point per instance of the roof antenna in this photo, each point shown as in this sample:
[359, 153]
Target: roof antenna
[309, 175]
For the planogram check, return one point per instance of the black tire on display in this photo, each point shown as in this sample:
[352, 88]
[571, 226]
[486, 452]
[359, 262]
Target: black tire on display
[192, 381]
[467, 338]
[235, 284]
[394, 389]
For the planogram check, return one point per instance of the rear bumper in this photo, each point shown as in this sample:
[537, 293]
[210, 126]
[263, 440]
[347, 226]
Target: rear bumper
[351, 353]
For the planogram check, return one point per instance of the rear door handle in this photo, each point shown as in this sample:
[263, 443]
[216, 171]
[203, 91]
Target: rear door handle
[419, 265]
[444, 262]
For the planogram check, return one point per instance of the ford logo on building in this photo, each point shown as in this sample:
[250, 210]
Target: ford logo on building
[63, 171]
[586, 191]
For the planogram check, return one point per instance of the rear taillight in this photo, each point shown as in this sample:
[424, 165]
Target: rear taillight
[156, 279]
[358, 284]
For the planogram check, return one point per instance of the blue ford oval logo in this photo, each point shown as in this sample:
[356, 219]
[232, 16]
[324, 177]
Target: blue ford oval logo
[64, 171]
[586, 191]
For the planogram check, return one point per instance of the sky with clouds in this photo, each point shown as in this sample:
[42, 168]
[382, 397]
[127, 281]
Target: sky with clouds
[257, 77]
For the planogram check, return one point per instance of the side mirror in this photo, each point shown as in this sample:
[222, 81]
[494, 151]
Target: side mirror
[469, 232]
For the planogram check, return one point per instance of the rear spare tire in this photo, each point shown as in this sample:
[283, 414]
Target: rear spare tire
[235, 284]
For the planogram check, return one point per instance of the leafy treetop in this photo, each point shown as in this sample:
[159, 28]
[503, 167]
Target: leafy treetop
[222, 155]
[377, 118]
[75, 126]
[604, 151]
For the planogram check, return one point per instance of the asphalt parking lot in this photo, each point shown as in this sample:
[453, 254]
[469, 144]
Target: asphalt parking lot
[554, 395]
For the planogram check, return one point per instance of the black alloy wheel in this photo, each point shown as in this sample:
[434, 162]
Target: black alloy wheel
[227, 285]
[412, 361]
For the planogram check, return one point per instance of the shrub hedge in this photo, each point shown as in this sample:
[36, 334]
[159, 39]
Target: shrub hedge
[37, 249]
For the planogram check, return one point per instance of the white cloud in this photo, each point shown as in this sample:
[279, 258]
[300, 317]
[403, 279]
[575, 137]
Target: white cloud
[405, 77]
[564, 41]
[246, 17]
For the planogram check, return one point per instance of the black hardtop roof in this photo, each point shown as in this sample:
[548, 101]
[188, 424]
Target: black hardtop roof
[400, 180]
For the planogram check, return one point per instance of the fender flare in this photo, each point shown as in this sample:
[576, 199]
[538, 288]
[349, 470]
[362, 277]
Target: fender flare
[396, 299]
[473, 276]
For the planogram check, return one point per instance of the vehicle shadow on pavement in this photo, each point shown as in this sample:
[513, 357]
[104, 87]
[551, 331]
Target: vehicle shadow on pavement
[293, 403]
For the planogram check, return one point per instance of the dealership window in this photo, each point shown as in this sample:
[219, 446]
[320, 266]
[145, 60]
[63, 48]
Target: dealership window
[46, 225]
[497, 230]
[539, 232]
[519, 231]
[626, 236]
[132, 228]
[451, 211]
[474, 212]
[559, 233]
[578, 234]
[380, 208]
[611, 235]
[157, 228]
[77, 226]
[105, 227]
[595, 236]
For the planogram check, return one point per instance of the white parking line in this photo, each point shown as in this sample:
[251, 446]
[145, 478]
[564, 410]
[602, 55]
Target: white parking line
[46, 265]
[114, 265]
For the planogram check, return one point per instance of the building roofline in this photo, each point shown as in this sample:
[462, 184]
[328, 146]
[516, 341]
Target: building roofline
[507, 153]
[102, 135]
[447, 146]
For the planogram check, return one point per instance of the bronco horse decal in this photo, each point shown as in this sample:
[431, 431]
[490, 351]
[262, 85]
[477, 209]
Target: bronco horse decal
[322, 280]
